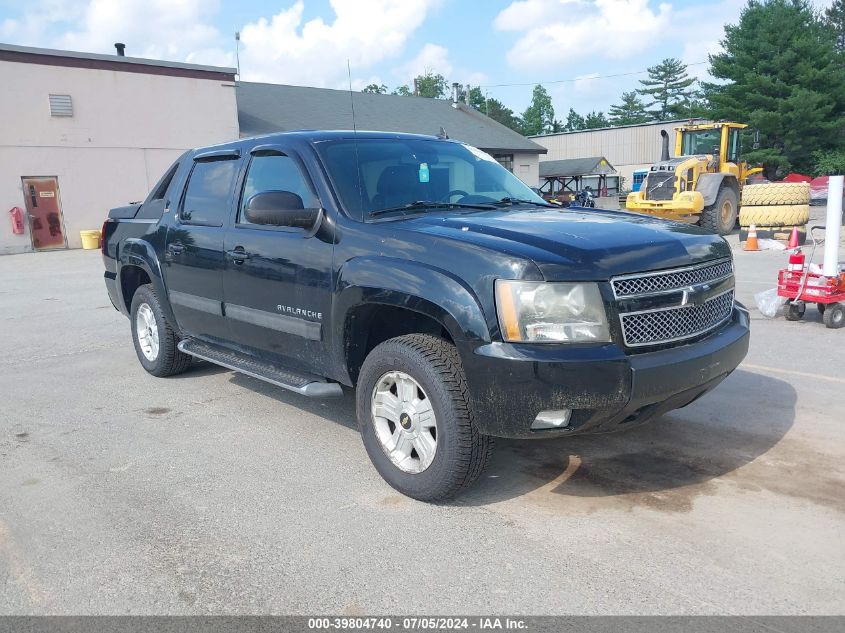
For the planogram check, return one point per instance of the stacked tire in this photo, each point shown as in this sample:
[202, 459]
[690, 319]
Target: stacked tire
[774, 209]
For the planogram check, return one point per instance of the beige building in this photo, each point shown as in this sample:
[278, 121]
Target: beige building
[627, 147]
[82, 133]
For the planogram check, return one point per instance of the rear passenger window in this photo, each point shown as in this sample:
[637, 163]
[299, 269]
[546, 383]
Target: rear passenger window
[276, 172]
[209, 193]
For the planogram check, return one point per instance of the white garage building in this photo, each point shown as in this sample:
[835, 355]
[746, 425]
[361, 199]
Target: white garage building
[626, 147]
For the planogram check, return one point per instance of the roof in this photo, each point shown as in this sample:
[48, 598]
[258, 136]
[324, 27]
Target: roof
[75, 59]
[575, 167]
[265, 108]
[620, 127]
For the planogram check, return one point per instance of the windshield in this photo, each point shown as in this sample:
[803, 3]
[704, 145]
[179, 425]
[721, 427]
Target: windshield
[701, 142]
[397, 173]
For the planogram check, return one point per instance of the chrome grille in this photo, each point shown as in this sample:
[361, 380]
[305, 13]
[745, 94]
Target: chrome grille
[651, 283]
[659, 185]
[673, 324]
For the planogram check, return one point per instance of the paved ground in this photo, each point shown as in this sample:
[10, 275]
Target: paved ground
[216, 493]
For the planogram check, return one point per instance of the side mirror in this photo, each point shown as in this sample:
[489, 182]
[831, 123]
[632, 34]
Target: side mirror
[280, 208]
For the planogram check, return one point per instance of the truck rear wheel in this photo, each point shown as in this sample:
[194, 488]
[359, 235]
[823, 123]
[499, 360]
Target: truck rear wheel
[415, 418]
[720, 217]
[154, 338]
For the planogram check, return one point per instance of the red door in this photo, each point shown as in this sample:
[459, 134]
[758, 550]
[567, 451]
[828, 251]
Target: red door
[44, 210]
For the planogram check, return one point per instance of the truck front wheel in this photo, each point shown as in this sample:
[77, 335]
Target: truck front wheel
[155, 339]
[415, 418]
[720, 217]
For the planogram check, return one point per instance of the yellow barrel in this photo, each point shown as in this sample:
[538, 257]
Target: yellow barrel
[90, 239]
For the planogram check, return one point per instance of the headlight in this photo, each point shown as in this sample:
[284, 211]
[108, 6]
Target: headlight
[551, 312]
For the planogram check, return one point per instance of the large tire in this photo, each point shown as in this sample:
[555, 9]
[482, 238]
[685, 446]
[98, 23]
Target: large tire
[432, 411]
[720, 217]
[776, 193]
[162, 357]
[780, 215]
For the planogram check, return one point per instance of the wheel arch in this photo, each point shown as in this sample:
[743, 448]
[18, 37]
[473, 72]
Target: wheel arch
[138, 265]
[710, 184]
[372, 307]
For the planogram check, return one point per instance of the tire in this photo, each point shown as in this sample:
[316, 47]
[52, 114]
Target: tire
[795, 310]
[821, 307]
[834, 316]
[166, 359]
[460, 452]
[776, 193]
[720, 217]
[780, 215]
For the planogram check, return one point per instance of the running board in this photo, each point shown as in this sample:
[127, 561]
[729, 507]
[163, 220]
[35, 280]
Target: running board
[286, 379]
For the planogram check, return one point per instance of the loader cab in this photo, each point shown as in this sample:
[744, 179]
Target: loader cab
[722, 140]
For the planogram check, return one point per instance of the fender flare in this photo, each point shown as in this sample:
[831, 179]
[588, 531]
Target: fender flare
[431, 291]
[140, 253]
[709, 185]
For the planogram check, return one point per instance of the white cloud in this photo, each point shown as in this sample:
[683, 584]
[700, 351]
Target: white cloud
[585, 84]
[432, 57]
[523, 15]
[162, 29]
[553, 36]
[286, 49]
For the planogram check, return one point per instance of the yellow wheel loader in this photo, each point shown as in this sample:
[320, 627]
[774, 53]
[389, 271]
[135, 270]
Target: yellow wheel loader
[703, 184]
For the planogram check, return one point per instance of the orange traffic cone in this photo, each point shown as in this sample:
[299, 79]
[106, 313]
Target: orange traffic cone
[793, 238]
[751, 241]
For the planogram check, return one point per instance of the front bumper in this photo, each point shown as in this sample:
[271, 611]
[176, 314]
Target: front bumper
[606, 389]
[684, 208]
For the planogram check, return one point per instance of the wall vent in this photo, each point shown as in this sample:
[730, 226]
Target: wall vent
[61, 105]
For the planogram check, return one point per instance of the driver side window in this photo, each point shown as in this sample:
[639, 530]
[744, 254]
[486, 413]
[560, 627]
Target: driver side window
[275, 172]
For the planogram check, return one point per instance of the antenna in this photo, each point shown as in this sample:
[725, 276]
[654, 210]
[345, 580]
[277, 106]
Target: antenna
[355, 138]
[238, 52]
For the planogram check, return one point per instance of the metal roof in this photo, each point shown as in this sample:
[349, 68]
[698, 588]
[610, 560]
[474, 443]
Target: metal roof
[265, 108]
[575, 167]
[97, 57]
[695, 120]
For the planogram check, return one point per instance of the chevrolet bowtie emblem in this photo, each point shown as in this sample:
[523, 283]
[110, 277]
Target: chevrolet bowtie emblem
[695, 295]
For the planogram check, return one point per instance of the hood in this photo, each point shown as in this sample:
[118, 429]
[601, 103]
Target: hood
[579, 244]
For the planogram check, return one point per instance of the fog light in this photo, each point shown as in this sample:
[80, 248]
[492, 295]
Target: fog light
[552, 419]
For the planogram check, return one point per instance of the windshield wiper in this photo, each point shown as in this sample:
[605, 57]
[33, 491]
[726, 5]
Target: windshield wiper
[508, 200]
[427, 204]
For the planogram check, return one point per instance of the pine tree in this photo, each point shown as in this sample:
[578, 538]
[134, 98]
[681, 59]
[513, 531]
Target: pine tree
[783, 77]
[668, 88]
[574, 121]
[630, 112]
[595, 120]
[835, 16]
[540, 115]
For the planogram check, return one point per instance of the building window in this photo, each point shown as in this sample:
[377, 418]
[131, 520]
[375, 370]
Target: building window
[61, 105]
[505, 160]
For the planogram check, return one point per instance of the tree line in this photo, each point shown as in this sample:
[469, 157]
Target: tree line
[781, 71]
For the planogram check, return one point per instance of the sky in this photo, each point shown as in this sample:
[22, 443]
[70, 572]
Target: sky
[586, 52]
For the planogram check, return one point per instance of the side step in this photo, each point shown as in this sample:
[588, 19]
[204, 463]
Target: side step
[286, 379]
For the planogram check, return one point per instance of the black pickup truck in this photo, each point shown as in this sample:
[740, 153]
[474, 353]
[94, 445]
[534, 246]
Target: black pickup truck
[418, 270]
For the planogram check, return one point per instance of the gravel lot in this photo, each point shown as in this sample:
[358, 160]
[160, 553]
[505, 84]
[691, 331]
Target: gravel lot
[212, 492]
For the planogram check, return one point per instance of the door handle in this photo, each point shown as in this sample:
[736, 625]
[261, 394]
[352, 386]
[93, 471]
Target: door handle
[175, 248]
[239, 255]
